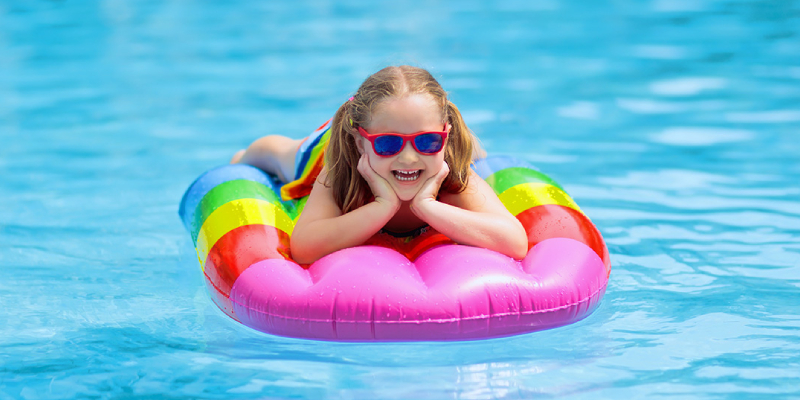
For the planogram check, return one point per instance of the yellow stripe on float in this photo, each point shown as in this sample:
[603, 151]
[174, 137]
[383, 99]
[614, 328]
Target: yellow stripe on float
[234, 214]
[528, 195]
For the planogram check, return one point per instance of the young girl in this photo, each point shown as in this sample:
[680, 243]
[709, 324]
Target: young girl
[397, 160]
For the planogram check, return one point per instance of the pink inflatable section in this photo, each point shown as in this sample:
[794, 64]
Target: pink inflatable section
[450, 292]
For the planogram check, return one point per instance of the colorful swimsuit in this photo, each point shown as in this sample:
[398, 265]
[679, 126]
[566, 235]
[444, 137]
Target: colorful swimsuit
[308, 163]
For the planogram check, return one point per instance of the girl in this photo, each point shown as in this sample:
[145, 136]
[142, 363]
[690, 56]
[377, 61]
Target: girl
[397, 160]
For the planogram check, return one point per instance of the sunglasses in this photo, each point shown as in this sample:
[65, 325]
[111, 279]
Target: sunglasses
[389, 144]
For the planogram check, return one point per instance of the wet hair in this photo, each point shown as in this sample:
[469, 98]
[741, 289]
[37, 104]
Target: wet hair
[350, 190]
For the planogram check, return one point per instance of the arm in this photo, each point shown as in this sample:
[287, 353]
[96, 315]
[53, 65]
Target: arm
[323, 229]
[474, 217]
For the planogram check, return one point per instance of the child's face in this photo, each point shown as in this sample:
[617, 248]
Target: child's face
[408, 170]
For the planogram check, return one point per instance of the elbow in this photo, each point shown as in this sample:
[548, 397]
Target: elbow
[519, 244]
[515, 246]
[520, 250]
[302, 259]
[302, 253]
[509, 239]
[512, 245]
[512, 248]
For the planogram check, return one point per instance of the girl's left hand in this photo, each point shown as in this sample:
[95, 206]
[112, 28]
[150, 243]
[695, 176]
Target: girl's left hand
[430, 189]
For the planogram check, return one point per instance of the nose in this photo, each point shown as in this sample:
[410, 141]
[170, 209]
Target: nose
[408, 155]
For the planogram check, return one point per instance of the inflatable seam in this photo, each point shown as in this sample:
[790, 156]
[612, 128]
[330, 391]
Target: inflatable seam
[219, 290]
[459, 319]
[333, 315]
[491, 308]
[372, 320]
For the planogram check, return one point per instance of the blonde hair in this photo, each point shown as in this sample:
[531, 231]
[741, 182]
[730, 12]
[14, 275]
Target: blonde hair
[350, 190]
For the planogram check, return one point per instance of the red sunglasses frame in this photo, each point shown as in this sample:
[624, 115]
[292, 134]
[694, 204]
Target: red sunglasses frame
[406, 138]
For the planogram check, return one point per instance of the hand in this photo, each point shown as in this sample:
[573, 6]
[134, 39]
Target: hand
[430, 189]
[381, 189]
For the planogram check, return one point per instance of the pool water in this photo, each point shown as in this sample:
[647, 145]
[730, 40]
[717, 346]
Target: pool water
[675, 124]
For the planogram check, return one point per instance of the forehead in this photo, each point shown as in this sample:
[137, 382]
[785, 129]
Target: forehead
[407, 114]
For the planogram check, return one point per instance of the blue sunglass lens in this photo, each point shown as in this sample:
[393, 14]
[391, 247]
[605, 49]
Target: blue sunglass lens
[388, 145]
[429, 143]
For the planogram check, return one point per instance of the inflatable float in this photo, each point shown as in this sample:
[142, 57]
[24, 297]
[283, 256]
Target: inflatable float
[391, 288]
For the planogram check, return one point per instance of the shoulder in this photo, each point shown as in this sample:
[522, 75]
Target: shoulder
[322, 177]
[320, 202]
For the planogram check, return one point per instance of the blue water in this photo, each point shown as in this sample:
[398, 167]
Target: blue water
[675, 124]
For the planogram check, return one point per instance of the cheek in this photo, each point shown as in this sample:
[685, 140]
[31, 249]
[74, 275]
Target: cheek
[437, 161]
[379, 164]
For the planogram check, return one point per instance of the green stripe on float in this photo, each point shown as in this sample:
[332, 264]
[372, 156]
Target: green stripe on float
[229, 191]
[507, 178]
[299, 205]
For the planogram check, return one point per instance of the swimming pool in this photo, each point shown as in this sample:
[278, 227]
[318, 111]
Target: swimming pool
[674, 125]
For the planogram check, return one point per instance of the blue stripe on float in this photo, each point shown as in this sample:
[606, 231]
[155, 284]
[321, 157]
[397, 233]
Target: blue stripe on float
[485, 167]
[202, 185]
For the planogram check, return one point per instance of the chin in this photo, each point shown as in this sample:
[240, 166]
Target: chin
[406, 198]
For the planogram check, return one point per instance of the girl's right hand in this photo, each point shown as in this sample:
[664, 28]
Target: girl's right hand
[381, 189]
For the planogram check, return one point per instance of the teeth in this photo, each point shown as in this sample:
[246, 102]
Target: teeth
[406, 175]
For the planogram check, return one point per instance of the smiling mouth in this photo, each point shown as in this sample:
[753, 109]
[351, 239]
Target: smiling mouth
[407, 176]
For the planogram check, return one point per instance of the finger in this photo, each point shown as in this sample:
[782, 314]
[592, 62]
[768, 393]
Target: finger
[431, 187]
[444, 171]
[441, 175]
[363, 167]
[376, 182]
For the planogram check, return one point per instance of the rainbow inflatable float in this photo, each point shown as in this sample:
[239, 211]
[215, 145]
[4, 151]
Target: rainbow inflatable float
[390, 289]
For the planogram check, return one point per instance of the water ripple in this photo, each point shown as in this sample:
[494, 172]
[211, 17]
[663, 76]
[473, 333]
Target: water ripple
[673, 123]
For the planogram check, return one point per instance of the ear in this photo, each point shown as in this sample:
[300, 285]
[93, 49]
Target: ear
[360, 145]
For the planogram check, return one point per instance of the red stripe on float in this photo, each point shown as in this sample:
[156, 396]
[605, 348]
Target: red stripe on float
[551, 221]
[410, 248]
[240, 248]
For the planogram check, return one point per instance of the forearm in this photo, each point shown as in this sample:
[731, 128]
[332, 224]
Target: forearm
[500, 233]
[319, 238]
